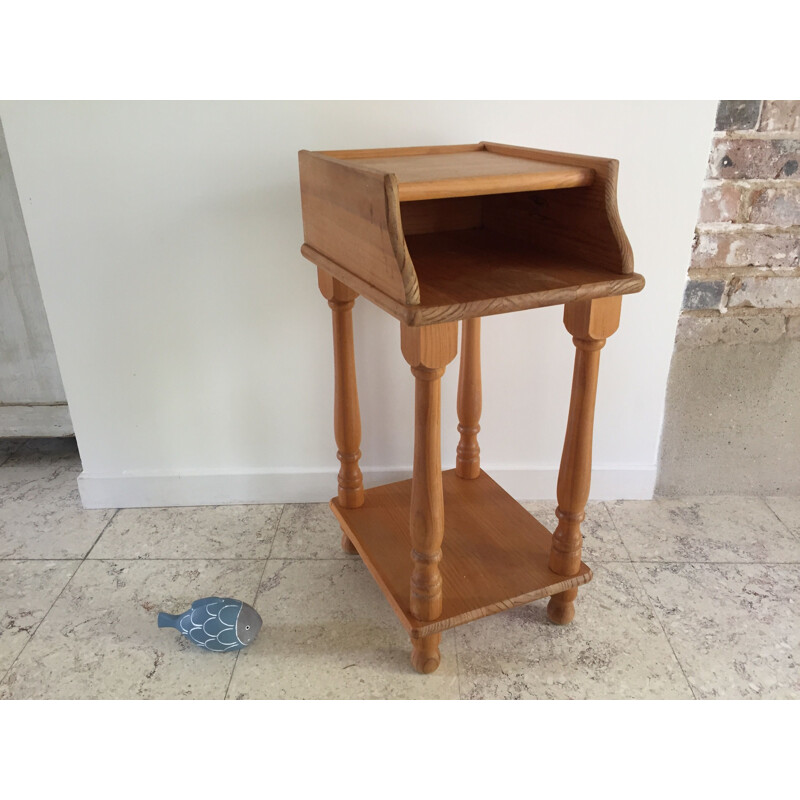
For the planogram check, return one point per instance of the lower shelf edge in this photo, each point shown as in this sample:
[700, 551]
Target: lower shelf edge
[494, 553]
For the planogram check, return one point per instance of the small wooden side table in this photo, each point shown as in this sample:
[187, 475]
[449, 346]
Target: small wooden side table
[434, 235]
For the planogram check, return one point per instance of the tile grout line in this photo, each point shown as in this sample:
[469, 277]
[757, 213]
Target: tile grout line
[775, 513]
[458, 665]
[258, 589]
[664, 630]
[650, 600]
[94, 544]
[614, 523]
[63, 589]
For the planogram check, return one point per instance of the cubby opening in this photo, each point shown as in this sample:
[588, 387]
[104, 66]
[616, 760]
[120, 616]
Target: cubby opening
[467, 249]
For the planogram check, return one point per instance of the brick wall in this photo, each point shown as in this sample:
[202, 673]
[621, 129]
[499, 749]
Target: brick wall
[744, 277]
[732, 414]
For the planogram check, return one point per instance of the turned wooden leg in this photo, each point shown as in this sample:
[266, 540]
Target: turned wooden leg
[425, 653]
[590, 322]
[468, 459]
[428, 350]
[346, 414]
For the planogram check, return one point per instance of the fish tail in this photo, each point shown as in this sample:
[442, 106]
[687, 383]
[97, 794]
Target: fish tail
[168, 620]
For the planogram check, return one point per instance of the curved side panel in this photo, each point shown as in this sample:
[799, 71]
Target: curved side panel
[349, 218]
[398, 240]
[614, 221]
[581, 223]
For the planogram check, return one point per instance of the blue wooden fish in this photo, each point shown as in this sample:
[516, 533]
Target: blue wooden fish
[216, 623]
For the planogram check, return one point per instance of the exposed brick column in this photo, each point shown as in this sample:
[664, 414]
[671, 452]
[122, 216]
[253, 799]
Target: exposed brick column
[744, 278]
[732, 418]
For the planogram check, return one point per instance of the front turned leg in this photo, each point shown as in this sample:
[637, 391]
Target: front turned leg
[427, 350]
[346, 414]
[590, 322]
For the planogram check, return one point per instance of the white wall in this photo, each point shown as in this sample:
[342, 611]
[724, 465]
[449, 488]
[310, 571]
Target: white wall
[195, 348]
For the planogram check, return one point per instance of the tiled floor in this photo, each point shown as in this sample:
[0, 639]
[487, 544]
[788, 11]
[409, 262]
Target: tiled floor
[692, 598]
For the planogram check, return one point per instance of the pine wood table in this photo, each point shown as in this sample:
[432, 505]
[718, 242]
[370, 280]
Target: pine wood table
[434, 236]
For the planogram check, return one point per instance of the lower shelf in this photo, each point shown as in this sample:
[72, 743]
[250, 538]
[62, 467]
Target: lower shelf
[494, 553]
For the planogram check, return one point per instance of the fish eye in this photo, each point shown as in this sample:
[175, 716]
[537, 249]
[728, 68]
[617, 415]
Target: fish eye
[247, 627]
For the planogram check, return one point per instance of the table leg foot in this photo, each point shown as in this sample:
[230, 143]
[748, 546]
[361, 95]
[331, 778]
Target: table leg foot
[561, 608]
[425, 655]
[348, 546]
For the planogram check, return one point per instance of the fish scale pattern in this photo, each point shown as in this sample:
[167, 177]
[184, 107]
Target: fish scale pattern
[212, 624]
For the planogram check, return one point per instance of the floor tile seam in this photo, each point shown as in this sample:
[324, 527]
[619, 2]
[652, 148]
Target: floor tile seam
[275, 533]
[458, 665]
[255, 596]
[785, 525]
[58, 597]
[617, 530]
[664, 631]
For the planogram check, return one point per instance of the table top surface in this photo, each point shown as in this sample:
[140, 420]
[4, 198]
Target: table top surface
[451, 172]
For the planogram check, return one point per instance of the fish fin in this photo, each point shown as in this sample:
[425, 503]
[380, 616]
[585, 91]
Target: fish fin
[205, 600]
[168, 620]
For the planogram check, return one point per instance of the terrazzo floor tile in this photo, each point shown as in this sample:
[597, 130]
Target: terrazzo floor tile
[190, 532]
[27, 590]
[308, 530]
[788, 511]
[101, 640]
[734, 627]
[615, 648]
[41, 515]
[329, 633]
[601, 542]
[703, 529]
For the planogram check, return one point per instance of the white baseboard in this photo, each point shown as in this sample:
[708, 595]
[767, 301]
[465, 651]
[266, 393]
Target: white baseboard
[295, 486]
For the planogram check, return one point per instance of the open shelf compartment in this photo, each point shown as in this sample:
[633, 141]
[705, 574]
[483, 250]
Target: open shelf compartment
[494, 553]
[439, 234]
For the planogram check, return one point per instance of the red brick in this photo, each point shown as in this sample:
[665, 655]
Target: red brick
[754, 158]
[745, 249]
[720, 203]
[775, 206]
[780, 115]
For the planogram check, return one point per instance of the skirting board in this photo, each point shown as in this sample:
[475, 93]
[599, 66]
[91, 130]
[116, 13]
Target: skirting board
[157, 490]
[35, 420]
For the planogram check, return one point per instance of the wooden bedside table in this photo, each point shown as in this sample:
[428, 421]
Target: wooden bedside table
[434, 235]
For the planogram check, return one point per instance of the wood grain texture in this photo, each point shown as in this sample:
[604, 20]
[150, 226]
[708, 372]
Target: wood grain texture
[346, 413]
[541, 281]
[353, 218]
[468, 452]
[425, 656]
[472, 273]
[427, 350]
[494, 553]
[583, 224]
[590, 323]
[387, 152]
[471, 173]
[449, 258]
[450, 214]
